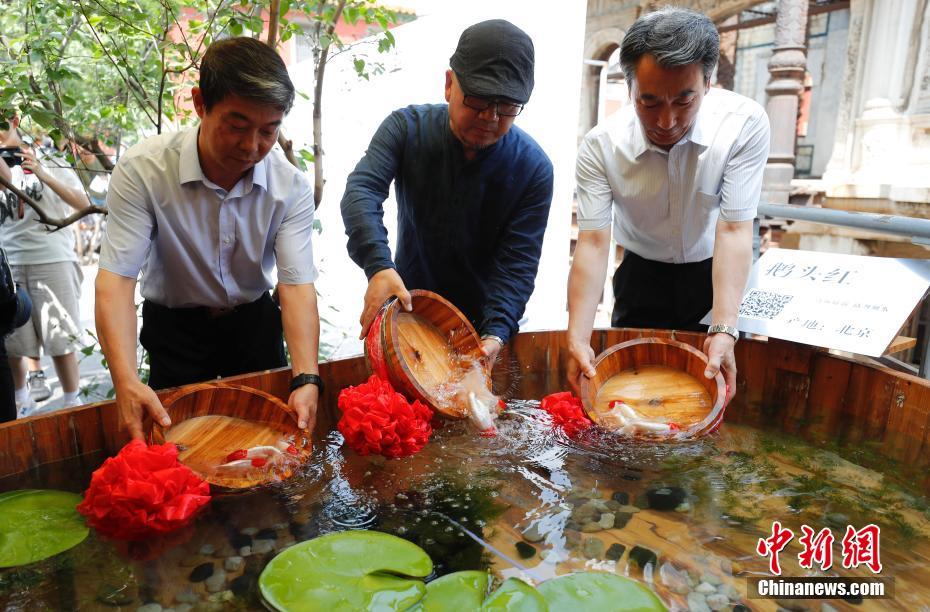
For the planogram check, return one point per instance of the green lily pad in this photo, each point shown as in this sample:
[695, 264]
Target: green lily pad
[599, 591]
[38, 524]
[455, 592]
[351, 570]
[515, 596]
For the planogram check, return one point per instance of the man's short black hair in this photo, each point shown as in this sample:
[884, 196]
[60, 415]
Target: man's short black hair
[247, 68]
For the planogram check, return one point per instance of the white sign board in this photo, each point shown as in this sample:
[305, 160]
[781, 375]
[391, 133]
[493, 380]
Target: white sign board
[845, 302]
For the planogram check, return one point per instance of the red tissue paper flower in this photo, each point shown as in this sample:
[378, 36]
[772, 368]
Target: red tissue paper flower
[566, 412]
[377, 419]
[143, 491]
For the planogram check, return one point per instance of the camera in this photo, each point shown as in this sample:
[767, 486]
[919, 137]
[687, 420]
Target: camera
[11, 156]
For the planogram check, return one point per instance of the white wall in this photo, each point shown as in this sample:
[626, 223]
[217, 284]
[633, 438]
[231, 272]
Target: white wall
[415, 74]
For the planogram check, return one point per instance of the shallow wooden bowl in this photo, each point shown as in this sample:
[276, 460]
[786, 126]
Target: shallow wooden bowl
[421, 350]
[660, 379]
[211, 420]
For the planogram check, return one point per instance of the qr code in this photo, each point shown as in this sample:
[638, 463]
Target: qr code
[760, 304]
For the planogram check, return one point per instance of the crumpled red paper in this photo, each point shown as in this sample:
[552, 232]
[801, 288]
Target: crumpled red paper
[566, 412]
[142, 492]
[376, 419]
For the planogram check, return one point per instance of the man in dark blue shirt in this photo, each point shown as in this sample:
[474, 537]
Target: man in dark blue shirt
[473, 191]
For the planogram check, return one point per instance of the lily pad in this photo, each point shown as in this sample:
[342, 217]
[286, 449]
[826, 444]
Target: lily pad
[466, 591]
[515, 596]
[599, 591]
[38, 524]
[455, 592]
[351, 570]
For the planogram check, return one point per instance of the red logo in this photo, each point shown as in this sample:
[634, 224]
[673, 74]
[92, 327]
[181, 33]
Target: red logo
[861, 547]
[774, 544]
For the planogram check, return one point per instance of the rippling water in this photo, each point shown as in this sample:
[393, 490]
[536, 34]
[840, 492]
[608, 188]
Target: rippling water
[529, 502]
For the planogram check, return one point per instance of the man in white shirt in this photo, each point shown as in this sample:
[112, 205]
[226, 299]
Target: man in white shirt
[679, 172]
[207, 215]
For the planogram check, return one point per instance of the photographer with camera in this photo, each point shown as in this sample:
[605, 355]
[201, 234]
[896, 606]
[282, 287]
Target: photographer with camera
[44, 262]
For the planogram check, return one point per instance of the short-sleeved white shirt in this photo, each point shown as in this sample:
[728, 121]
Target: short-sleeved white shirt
[197, 244]
[665, 204]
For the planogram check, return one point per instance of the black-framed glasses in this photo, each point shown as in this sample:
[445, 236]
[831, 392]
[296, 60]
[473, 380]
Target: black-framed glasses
[502, 107]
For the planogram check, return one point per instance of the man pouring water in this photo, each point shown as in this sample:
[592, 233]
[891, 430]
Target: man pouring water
[473, 191]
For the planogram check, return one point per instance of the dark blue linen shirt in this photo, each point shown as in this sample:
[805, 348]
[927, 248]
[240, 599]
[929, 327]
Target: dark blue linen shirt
[469, 230]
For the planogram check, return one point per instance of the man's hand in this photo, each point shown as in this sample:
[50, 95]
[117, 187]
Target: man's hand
[382, 286]
[304, 401]
[32, 163]
[5, 172]
[132, 401]
[491, 348]
[720, 357]
[580, 363]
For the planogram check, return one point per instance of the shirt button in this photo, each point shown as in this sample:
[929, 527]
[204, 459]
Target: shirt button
[227, 240]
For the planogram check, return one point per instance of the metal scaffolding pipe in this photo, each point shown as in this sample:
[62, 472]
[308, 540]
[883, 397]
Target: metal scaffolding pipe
[918, 230]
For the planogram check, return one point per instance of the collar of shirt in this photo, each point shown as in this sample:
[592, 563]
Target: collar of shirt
[697, 134]
[189, 169]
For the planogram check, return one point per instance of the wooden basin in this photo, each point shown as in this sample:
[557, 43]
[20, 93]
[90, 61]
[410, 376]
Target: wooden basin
[660, 379]
[423, 350]
[210, 421]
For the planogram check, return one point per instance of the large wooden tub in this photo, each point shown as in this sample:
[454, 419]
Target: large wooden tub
[802, 390]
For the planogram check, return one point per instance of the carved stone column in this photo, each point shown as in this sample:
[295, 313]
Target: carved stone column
[786, 68]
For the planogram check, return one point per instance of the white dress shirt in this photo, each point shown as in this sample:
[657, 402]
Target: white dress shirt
[196, 243]
[666, 204]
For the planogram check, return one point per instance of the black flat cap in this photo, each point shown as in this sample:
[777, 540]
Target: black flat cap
[494, 59]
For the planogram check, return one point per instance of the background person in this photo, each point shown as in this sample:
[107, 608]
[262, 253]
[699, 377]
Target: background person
[44, 263]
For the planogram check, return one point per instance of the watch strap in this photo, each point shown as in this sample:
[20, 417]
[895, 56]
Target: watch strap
[720, 328]
[306, 379]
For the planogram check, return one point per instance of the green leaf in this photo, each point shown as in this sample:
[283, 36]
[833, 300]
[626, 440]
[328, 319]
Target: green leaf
[515, 596]
[454, 592]
[37, 524]
[351, 570]
[235, 28]
[284, 8]
[599, 591]
[325, 41]
[359, 64]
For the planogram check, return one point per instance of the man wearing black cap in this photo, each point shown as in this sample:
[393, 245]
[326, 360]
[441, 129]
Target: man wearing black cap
[473, 191]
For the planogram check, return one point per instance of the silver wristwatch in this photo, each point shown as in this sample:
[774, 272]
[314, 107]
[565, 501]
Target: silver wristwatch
[498, 339]
[720, 328]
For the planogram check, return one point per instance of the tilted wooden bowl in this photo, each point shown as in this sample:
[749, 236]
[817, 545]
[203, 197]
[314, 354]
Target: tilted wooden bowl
[211, 420]
[660, 379]
[419, 351]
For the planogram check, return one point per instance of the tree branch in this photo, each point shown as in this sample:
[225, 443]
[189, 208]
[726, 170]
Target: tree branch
[273, 11]
[45, 219]
[317, 110]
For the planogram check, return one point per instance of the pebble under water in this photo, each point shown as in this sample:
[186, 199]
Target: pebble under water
[530, 503]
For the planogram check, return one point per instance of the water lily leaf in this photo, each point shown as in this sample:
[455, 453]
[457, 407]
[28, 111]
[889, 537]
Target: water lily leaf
[599, 591]
[350, 570]
[37, 524]
[455, 592]
[515, 596]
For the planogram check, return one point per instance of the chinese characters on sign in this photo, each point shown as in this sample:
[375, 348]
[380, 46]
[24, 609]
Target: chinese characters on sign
[859, 547]
[844, 302]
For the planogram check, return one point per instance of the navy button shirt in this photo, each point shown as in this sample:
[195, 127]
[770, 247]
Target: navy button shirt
[469, 230]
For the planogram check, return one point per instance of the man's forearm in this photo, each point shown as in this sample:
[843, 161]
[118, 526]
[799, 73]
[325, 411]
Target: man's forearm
[732, 261]
[72, 197]
[585, 281]
[301, 321]
[116, 330]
